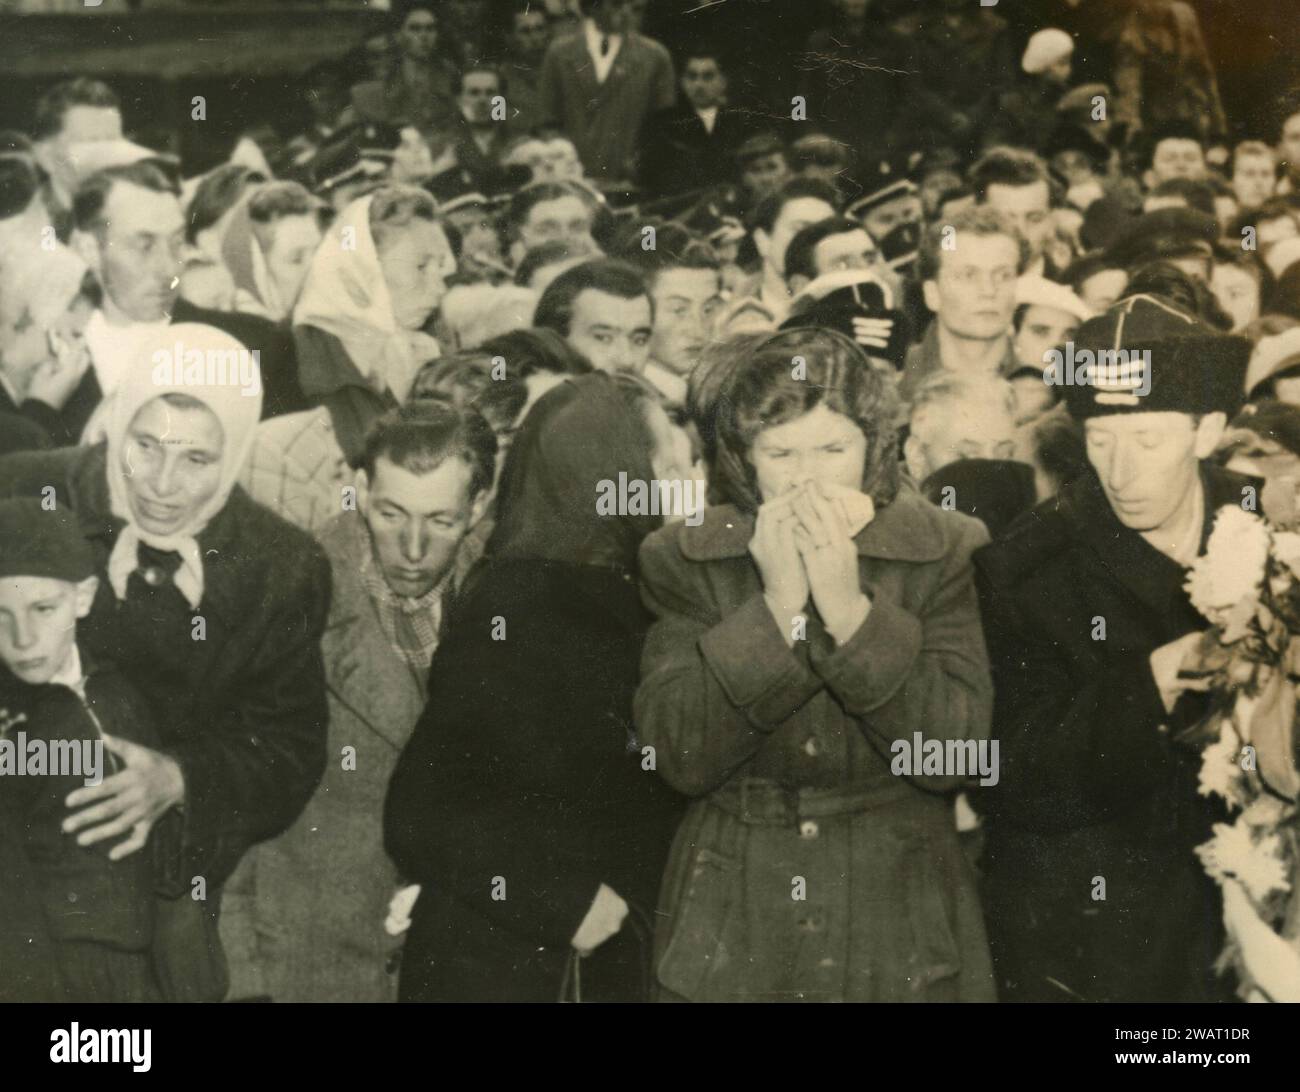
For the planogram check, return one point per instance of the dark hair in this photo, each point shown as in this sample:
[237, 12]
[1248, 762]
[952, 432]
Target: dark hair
[707, 381]
[762, 392]
[456, 379]
[526, 353]
[1006, 167]
[539, 256]
[1059, 449]
[979, 221]
[1173, 130]
[675, 247]
[423, 434]
[1247, 260]
[19, 183]
[393, 207]
[1197, 194]
[530, 196]
[88, 204]
[614, 278]
[1087, 266]
[770, 208]
[59, 99]
[701, 51]
[219, 192]
[801, 254]
[406, 11]
[1285, 107]
[276, 200]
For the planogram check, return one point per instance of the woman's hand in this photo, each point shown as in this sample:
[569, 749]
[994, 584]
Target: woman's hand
[785, 584]
[830, 558]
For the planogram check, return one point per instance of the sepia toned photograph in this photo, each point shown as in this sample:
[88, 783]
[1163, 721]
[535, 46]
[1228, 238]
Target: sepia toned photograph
[643, 501]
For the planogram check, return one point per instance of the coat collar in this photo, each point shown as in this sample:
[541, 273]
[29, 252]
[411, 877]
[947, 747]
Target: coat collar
[1149, 576]
[907, 529]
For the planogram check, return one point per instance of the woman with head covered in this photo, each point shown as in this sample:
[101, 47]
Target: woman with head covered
[525, 805]
[820, 616]
[212, 606]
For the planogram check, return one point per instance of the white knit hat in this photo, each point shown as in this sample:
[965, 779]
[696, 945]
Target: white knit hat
[1034, 290]
[1045, 48]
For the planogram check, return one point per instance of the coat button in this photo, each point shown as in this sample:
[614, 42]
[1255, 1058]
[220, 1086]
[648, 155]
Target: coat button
[153, 576]
[72, 896]
[808, 828]
[810, 748]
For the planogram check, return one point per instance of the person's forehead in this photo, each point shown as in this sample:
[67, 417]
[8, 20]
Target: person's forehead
[592, 307]
[134, 208]
[85, 123]
[29, 589]
[295, 230]
[807, 209]
[846, 242]
[1292, 125]
[1178, 146]
[701, 66]
[190, 426]
[560, 207]
[1153, 421]
[1042, 313]
[766, 161]
[420, 20]
[975, 249]
[479, 79]
[446, 485]
[1034, 195]
[690, 283]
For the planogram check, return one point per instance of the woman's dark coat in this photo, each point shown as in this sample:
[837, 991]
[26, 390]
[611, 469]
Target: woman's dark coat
[525, 773]
[243, 709]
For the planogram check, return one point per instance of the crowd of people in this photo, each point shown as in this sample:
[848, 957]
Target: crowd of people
[307, 474]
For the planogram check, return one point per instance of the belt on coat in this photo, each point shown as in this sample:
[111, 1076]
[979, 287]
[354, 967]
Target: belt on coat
[761, 802]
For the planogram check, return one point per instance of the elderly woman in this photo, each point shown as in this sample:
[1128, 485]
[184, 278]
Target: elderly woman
[802, 630]
[210, 605]
[269, 245]
[524, 805]
[374, 283]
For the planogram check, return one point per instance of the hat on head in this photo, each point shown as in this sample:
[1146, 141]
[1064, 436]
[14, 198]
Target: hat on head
[1039, 291]
[1165, 233]
[35, 541]
[1146, 356]
[1069, 137]
[872, 201]
[1044, 49]
[1078, 100]
[759, 145]
[835, 299]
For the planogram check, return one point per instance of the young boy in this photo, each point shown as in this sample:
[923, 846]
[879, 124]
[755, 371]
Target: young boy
[74, 925]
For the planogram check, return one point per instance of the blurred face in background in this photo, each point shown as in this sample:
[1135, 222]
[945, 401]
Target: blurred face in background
[1042, 329]
[881, 220]
[381, 57]
[416, 261]
[30, 335]
[1254, 178]
[946, 432]
[686, 306]
[933, 186]
[564, 219]
[974, 294]
[480, 245]
[1177, 157]
[291, 244]
[765, 174]
[1028, 207]
[419, 36]
[1103, 288]
[208, 284]
[703, 83]
[1237, 292]
[1289, 145]
[795, 215]
[531, 32]
[476, 94]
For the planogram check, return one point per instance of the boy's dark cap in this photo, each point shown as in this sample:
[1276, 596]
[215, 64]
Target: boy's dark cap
[35, 541]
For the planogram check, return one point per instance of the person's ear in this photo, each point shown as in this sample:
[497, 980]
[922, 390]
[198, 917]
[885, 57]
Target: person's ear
[86, 245]
[361, 481]
[930, 290]
[1209, 431]
[762, 243]
[480, 505]
[914, 457]
[84, 595]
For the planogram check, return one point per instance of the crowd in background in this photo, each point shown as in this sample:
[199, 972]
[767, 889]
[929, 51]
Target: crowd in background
[374, 665]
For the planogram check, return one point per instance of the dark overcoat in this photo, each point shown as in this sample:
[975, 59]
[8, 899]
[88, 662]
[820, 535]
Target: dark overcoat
[242, 710]
[524, 788]
[805, 868]
[1095, 798]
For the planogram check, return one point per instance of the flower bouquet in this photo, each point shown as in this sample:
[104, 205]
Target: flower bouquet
[1248, 585]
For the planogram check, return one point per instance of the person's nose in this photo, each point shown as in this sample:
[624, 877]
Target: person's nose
[165, 478]
[414, 542]
[1121, 468]
[23, 634]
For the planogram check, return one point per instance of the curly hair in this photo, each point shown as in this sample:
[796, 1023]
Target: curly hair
[763, 390]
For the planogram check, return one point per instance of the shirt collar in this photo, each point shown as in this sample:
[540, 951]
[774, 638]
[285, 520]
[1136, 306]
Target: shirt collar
[70, 674]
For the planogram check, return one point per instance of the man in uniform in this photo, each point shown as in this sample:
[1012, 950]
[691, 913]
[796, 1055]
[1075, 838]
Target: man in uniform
[1093, 891]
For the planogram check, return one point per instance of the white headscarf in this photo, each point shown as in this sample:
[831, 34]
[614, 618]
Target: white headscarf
[345, 295]
[237, 412]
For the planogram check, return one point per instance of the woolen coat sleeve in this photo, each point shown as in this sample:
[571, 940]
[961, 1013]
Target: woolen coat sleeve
[712, 688]
[251, 773]
[920, 669]
[1073, 750]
